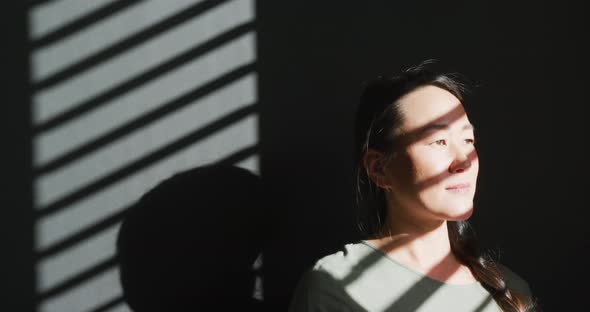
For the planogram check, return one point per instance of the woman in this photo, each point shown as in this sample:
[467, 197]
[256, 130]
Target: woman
[417, 175]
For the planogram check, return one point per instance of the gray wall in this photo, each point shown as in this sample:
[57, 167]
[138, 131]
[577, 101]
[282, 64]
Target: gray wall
[119, 103]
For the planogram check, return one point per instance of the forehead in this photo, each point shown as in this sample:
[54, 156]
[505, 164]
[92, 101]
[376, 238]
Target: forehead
[431, 105]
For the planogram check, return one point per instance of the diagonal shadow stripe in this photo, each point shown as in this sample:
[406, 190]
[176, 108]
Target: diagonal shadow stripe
[147, 160]
[109, 304]
[78, 279]
[239, 155]
[163, 110]
[369, 260]
[125, 44]
[418, 134]
[358, 270]
[117, 217]
[438, 178]
[415, 296]
[412, 298]
[82, 23]
[324, 278]
[143, 78]
[35, 3]
[81, 235]
[484, 304]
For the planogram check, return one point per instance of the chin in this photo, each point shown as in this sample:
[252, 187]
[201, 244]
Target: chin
[461, 213]
[462, 217]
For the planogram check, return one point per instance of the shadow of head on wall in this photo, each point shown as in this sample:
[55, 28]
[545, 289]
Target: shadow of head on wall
[192, 240]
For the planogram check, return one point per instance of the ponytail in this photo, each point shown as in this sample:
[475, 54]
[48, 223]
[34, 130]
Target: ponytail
[485, 269]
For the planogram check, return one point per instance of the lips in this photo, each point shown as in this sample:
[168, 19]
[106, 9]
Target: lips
[458, 188]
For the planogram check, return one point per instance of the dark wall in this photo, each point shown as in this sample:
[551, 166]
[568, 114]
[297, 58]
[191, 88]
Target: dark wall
[16, 214]
[312, 59]
[528, 60]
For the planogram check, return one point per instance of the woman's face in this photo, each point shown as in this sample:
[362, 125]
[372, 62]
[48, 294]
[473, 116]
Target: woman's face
[434, 171]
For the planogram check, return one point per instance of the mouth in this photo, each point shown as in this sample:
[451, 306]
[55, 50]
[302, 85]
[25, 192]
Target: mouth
[460, 188]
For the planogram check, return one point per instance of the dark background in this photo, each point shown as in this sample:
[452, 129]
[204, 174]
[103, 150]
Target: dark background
[529, 112]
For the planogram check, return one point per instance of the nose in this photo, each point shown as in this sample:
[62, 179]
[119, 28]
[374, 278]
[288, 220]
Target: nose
[462, 159]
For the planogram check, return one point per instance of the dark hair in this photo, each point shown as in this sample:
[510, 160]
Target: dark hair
[377, 119]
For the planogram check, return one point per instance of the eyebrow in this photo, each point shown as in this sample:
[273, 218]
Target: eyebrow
[438, 126]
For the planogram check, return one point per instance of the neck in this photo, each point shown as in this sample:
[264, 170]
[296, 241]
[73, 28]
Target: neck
[424, 245]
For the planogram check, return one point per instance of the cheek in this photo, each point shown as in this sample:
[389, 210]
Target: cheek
[418, 173]
[431, 166]
[402, 173]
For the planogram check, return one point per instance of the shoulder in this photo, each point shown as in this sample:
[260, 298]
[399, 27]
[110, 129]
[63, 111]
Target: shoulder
[514, 281]
[348, 258]
[322, 286]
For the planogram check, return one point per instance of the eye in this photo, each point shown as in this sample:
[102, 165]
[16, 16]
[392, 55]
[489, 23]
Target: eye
[441, 142]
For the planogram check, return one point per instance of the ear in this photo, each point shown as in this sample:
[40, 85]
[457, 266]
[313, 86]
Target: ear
[375, 164]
